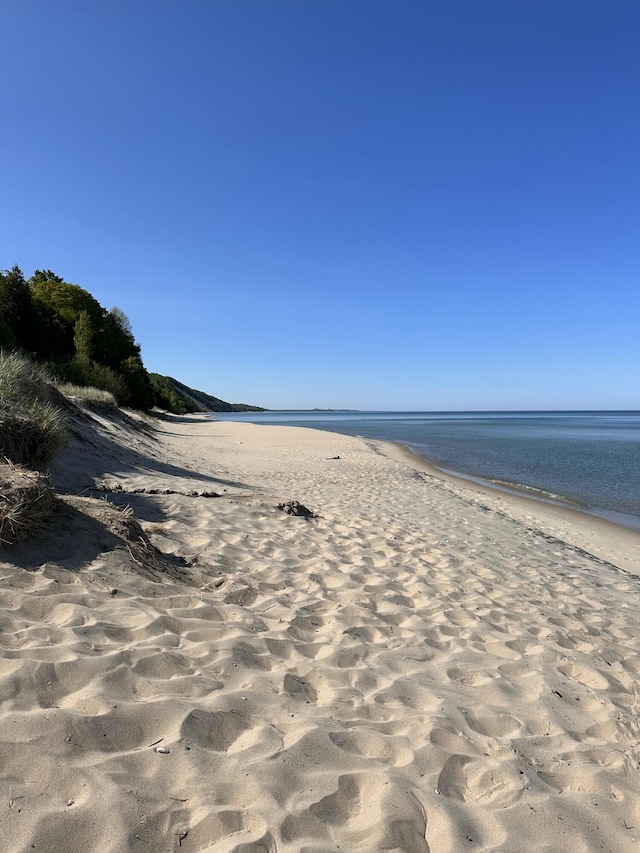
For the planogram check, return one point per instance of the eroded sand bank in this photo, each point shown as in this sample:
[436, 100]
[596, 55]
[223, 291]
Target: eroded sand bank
[424, 666]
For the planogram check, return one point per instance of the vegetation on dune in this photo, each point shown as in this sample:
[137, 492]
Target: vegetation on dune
[33, 424]
[86, 394]
[50, 328]
[64, 327]
[176, 397]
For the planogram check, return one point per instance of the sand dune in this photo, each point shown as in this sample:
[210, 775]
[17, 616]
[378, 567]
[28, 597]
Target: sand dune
[423, 666]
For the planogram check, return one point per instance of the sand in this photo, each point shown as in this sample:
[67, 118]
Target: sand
[422, 666]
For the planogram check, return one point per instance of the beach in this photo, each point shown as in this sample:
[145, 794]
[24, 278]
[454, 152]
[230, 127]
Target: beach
[260, 638]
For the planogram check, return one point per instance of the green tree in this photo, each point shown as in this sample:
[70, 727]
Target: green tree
[44, 275]
[141, 394]
[53, 335]
[65, 326]
[83, 337]
[7, 339]
[115, 342]
[68, 300]
[122, 321]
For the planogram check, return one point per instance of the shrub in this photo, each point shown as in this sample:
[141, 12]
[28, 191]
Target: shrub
[92, 375]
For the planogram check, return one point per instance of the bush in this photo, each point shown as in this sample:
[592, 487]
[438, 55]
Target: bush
[92, 375]
[33, 424]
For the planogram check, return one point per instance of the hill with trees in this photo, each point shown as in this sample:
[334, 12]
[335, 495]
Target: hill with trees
[64, 327]
[176, 397]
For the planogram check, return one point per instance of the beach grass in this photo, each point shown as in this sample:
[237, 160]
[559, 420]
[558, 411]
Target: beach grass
[33, 423]
[86, 394]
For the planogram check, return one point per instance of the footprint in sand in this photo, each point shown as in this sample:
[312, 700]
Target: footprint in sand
[216, 730]
[372, 745]
[249, 656]
[243, 596]
[248, 830]
[338, 807]
[306, 625]
[466, 675]
[363, 813]
[116, 731]
[631, 664]
[299, 688]
[480, 780]
[453, 741]
[266, 844]
[164, 664]
[494, 725]
[584, 675]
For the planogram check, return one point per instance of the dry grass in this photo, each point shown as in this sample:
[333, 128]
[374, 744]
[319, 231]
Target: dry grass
[26, 503]
[32, 438]
[86, 394]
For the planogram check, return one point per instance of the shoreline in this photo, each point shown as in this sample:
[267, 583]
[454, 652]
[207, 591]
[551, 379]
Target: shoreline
[241, 638]
[569, 521]
[617, 517]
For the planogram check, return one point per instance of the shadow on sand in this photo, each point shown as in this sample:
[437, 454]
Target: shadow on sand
[118, 448]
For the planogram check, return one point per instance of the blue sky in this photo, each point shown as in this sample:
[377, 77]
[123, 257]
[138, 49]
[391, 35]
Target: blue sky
[339, 203]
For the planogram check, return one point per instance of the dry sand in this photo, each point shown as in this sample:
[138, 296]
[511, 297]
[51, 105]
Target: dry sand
[424, 666]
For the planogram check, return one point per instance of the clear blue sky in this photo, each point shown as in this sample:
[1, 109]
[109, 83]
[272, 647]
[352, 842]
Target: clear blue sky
[420, 204]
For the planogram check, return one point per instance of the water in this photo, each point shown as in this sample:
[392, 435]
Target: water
[591, 459]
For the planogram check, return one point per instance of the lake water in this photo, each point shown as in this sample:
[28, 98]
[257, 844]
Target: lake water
[591, 459]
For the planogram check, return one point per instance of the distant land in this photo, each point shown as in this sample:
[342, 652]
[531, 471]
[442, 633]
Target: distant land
[177, 397]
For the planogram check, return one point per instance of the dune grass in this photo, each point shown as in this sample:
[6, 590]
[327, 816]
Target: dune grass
[33, 424]
[86, 394]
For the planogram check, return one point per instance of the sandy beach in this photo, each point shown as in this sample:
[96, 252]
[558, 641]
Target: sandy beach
[258, 639]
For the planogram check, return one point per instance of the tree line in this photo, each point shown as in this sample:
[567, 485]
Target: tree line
[63, 326]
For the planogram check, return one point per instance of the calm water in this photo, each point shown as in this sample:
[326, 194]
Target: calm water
[589, 458]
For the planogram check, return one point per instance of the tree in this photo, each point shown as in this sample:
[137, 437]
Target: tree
[44, 275]
[7, 339]
[16, 309]
[64, 325]
[53, 336]
[141, 394]
[123, 321]
[83, 338]
[68, 300]
[115, 342]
